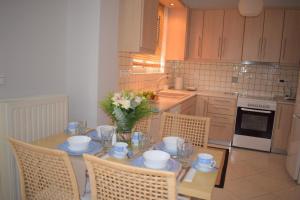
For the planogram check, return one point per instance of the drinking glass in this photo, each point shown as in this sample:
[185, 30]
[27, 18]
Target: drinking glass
[146, 142]
[184, 151]
[106, 135]
[82, 128]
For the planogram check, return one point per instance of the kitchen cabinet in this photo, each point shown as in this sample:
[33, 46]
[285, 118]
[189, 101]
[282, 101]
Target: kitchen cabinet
[188, 107]
[176, 34]
[233, 33]
[138, 26]
[263, 35]
[272, 36]
[222, 112]
[290, 51]
[201, 106]
[195, 34]
[282, 127]
[209, 39]
[212, 34]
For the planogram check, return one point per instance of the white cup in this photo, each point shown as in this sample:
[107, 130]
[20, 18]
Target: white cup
[120, 150]
[206, 160]
[171, 144]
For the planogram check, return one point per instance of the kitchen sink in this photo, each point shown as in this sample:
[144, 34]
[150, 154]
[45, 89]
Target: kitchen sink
[172, 95]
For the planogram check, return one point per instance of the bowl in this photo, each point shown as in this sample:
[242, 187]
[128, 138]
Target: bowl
[78, 143]
[170, 143]
[156, 159]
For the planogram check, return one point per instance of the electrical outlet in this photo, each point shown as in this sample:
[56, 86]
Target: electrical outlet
[2, 79]
[234, 79]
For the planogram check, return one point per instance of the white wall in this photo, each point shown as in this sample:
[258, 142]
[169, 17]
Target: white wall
[83, 59]
[108, 61]
[32, 47]
[57, 46]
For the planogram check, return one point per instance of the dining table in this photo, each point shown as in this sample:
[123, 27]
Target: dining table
[201, 185]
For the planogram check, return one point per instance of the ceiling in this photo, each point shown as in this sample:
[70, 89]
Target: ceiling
[212, 4]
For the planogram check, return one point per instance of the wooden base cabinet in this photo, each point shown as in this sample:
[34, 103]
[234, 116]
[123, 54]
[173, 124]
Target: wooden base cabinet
[222, 112]
[282, 127]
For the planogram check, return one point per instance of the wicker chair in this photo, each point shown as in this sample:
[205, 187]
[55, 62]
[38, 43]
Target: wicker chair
[192, 128]
[114, 181]
[143, 125]
[45, 174]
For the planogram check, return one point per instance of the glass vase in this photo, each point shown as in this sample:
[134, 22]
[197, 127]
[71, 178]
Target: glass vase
[124, 136]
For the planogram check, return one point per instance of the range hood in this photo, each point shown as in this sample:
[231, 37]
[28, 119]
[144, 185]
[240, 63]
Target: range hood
[248, 62]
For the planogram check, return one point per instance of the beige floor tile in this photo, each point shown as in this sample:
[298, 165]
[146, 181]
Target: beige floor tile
[222, 194]
[267, 197]
[244, 189]
[253, 175]
[290, 194]
[240, 169]
[270, 184]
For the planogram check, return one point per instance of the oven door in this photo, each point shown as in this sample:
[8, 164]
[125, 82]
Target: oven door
[254, 122]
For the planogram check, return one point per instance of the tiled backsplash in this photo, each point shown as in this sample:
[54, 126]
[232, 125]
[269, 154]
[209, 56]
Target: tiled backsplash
[258, 80]
[131, 80]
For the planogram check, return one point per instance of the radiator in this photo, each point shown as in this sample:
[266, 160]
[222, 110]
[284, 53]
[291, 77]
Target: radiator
[26, 119]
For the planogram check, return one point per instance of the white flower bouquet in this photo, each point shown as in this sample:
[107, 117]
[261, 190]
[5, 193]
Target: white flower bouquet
[125, 109]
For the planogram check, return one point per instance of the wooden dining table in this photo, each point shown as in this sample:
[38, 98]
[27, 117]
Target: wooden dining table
[200, 187]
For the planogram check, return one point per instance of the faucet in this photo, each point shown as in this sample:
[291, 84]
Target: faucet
[166, 76]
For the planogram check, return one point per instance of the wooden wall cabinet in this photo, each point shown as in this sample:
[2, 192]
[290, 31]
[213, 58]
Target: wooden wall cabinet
[212, 34]
[290, 51]
[252, 37]
[138, 26]
[263, 35]
[176, 34]
[282, 127]
[195, 38]
[215, 35]
[233, 34]
[272, 36]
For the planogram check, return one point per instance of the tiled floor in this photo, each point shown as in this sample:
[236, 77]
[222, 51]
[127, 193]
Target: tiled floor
[253, 175]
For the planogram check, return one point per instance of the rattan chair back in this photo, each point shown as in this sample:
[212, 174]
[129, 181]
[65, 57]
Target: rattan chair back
[45, 174]
[143, 125]
[115, 181]
[192, 128]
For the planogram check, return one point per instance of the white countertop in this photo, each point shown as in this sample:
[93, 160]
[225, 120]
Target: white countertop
[164, 103]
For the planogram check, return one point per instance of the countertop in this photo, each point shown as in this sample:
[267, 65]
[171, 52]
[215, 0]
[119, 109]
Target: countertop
[284, 101]
[166, 103]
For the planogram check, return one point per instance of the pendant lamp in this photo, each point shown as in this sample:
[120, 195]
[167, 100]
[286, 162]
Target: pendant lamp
[250, 8]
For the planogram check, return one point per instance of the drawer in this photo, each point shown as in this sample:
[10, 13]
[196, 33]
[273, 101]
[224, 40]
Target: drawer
[221, 119]
[221, 109]
[226, 102]
[223, 132]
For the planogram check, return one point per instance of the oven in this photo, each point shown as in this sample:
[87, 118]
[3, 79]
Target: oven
[254, 123]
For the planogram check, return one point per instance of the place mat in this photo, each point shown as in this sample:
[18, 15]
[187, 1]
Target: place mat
[222, 168]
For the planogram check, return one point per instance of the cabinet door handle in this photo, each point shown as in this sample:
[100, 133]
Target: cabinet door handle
[279, 119]
[223, 47]
[284, 48]
[264, 45]
[219, 47]
[259, 47]
[222, 101]
[199, 46]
